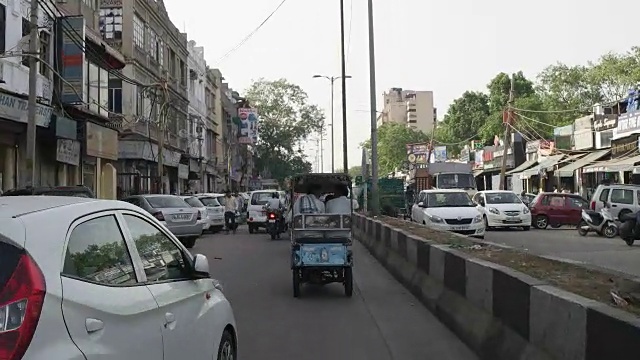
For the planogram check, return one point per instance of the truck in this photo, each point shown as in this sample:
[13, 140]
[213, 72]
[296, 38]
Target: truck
[446, 175]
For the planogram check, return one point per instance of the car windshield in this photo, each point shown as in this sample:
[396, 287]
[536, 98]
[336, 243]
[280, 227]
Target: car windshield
[449, 199]
[210, 201]
[261, 198]
[456, 181]
[194, 202]
[166, 202]
[502, 198]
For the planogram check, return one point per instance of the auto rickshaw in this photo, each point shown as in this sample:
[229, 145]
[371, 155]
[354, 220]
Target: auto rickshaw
[321, 242]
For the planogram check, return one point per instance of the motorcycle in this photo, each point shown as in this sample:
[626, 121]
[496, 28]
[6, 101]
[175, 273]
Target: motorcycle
[274, 224]
[601, 222]
[629, 231]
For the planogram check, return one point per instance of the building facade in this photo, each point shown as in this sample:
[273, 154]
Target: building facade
[154, 104]
[198, 120]
[408, 107]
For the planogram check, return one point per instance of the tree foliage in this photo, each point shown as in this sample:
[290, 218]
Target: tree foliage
[392, 138]
[286, 120]
[558, 95]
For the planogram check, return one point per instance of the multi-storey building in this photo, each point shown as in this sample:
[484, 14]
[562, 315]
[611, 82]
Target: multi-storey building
[198, 121]
[80, 145]
[413, 108]
[155, 106]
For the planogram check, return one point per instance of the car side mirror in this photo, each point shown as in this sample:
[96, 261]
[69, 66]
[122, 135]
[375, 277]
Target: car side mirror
[201, 267]
[420, 204]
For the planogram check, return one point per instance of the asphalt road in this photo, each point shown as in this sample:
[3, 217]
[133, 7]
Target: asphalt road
[382, 321]
[566, 244]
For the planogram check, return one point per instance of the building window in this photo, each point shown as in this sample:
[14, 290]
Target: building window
[3, 27]
[93, 4]
[138, 32]
[45, 53]
[172, 63]
[183, 73]
[139, 101]
[26, 29]
[111, 23]
[160, 49]
[115, 96]
[153, 44]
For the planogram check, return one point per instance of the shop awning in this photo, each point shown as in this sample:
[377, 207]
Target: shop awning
[546, 165]
[522, 167]
[569, 170]
[477, 172]
[615, 165]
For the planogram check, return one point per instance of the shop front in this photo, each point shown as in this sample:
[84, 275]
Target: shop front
[100, 160]
[624, 157]
[138, 166]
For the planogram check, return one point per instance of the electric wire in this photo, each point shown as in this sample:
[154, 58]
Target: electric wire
[252, 33]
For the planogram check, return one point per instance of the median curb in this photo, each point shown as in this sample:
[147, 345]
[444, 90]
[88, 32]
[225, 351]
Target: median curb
[498, 312]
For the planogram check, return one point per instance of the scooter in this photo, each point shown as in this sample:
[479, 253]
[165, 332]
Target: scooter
[274, 224]
[601, 222]
[628, 230]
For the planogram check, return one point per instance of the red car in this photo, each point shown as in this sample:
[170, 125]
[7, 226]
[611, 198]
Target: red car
[556, 209]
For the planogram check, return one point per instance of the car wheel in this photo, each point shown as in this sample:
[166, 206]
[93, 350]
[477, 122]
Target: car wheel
[251, 229]
[227, 349]
[348, 282]
[486, 224]
[296, 283]
[541, 222]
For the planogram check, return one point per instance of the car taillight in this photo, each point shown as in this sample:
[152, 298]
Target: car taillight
[272, 216]
[21, 303]
[158, 215]
[199, 215]
[593, 205]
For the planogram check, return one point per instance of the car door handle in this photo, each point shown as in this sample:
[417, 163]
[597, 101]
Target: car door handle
[169, 319]
[93, 325]
[612, 205]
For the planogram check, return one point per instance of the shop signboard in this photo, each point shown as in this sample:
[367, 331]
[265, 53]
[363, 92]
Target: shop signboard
[465, 155]
[628, 123]
[478, 159]
[624, 147]
[605, 122]
[417, 153]
[68, 152]
[583, 133]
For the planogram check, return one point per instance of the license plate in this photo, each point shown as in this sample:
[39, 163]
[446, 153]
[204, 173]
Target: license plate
[182, 217]
[272, 221]
[460, 228]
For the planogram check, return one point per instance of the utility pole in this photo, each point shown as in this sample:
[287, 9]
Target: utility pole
[507, 133]
[162, 122]
[375, 203]
[432, 144]
[343, 77]
[200, 132]
[333, 155]
[322, 151]
[33, 84]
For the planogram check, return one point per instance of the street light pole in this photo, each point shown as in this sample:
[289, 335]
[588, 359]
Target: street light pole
[332, 80]
[343, 75]
[375, 203]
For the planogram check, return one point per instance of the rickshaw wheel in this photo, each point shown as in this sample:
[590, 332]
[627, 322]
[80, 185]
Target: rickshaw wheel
[296, 283]
[348, 282]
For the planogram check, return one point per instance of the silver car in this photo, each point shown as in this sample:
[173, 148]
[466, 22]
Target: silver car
[215, 211]
[205, 218]
[174, 213]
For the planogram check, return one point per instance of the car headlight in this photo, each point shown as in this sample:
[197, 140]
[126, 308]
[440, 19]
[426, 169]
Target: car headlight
[436, 219]
[525, 211]
[477, 219]
[494, 211]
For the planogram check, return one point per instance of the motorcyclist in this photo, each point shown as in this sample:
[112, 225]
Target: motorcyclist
[275, 204]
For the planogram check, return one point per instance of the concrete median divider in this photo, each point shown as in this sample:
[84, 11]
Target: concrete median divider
[498, 312]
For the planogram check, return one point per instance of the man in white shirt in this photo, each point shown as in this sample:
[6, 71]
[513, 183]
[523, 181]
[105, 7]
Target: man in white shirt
[274, 203]
[340, 204]
[230, 208]
[309, 203]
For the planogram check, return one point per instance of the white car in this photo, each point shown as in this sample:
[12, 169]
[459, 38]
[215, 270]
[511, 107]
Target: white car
[256, 214]
[449, 210]
[205, 217]
[83, 278]
[502, 209]
[215, 210]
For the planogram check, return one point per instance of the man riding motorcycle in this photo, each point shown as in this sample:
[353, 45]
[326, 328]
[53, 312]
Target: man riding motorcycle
[275, 204]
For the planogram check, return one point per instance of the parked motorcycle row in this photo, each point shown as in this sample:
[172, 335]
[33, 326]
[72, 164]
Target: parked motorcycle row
[603, 223]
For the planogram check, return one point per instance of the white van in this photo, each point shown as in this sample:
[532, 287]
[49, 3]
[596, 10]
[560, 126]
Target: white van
[256, 215]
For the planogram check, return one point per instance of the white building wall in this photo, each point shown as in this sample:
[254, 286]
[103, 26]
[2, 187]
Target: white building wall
[197, 106]
[14, 74]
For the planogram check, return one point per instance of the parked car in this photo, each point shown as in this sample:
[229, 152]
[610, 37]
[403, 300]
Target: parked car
[215, 210]
[448, 210]
[557, 209]
[502, 209]
[623, 198]
[77, 191]
[205, 218]
[174, 213]
[86, 279]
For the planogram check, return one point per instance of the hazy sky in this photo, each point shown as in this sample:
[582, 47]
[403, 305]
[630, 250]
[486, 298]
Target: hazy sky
[444, 46]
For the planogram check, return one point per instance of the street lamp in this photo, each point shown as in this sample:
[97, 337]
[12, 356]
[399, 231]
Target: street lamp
[332, 80]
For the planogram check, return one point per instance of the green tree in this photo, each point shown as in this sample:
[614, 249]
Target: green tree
[286, 119]
[465, 116]
[392, 138]
[564, 87]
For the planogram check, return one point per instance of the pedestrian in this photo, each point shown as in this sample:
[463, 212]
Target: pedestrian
[555, 189]
[230, 208]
